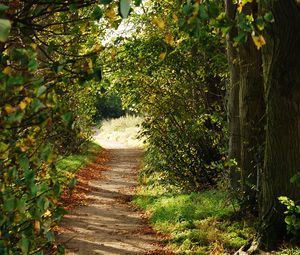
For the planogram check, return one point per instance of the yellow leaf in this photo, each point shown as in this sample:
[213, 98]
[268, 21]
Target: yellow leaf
[84, 27]
[159, 22]
[97, 47]
[175, 18]
[169, 38]
[27, 100]
[22, 105]
[240, 8]
[162, 55]
[90, 64]
[259, 41]
[7, 70]
[110, 13]
[47, 213]
[10, 109]
[37, 226]
[113, 53]
[33, 46]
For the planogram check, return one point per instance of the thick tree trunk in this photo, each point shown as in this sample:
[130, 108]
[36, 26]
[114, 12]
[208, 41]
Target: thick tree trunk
[281, 62]
[233, 100]
[252, 110]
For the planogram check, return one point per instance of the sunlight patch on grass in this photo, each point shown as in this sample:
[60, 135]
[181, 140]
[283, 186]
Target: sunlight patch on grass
[197, 223]
[68, 166]
[124, 130]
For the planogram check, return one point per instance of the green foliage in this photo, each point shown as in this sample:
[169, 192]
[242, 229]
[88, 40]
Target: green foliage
[67, 166]
[288, 251]
[108, 106]
[5, 27]
[178, 83]
[292, 218]
[44, 67]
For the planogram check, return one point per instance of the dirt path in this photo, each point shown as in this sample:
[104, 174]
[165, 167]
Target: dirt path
[109, 225]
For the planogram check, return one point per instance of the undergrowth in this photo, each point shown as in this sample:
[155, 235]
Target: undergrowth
[197, 223]
[67, 166]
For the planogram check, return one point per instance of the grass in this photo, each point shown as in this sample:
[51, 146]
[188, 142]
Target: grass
[197, 223]
[68, 166]
[124, 130]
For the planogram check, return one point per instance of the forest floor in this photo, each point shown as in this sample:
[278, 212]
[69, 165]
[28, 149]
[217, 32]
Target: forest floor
[108, 223]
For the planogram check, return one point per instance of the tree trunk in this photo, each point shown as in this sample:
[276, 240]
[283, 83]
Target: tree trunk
[252, 110]
[281, 63]
[233, 100]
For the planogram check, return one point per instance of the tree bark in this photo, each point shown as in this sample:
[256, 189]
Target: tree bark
[233, 100]
[281, 63]
[252, 110]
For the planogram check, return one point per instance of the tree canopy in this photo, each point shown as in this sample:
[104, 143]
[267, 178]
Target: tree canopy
[217, 83]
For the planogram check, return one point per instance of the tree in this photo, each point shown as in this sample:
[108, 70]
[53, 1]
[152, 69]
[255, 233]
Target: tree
[280, 92]
[282, 95]
[251, 108]
[178, 84]
[41, 57]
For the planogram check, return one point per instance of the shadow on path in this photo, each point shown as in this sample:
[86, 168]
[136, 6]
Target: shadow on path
[109, 225]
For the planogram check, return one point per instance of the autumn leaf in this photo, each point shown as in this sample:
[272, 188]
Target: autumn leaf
[159, 22]
[22, 105]
[258, 40]
[37, 226]
[175, 18]
[7, 70]
[110, 13]
[240, 8]
[10, 109]
[162, 55]
[169, 38]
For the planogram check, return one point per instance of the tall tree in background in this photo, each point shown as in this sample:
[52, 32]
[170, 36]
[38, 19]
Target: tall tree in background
[234, 148]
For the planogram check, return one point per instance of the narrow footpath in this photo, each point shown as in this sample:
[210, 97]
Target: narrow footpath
[109, 224]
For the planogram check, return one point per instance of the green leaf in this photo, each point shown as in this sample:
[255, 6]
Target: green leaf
[46, 152]
[32, 64]
[59, 213]
[269, 17]
[24, 163]
[125, 8]
[50, 236]
[36, 105]
[41, 90]
[72, 183]
[97, 13]
[3, 147]
[260, 23]
[3, 7]
[203, 12]
[137, 2]
[60, 249]
[67, 117]
[9, 204]
[241, 38]
[5, 27]
[24, 245]
[105, 1]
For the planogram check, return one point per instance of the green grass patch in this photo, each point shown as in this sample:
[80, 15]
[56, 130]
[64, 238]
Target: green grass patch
[67, 166]
[197, 223]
